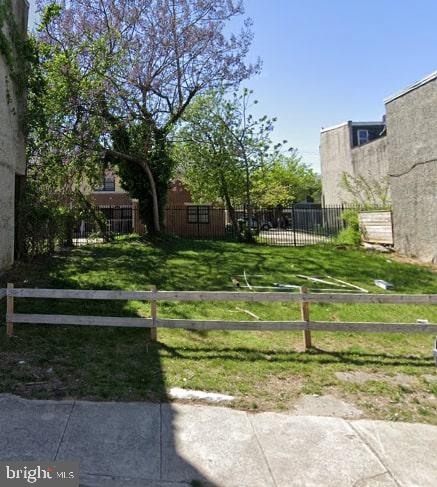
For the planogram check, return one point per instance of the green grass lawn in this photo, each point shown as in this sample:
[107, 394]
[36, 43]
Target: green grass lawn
[264, 370]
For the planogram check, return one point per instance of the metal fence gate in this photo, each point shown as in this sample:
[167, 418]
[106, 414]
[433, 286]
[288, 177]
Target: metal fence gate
[111, 220]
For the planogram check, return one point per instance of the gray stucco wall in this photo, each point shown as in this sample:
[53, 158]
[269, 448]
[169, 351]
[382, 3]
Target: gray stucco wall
[412, 125]
[12, 147]
[335, 158]
[371, 160]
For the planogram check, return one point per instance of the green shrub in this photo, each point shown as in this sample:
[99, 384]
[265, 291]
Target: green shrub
[350, 235]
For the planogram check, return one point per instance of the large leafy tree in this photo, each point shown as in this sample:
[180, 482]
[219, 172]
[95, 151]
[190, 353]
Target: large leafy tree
[285, 182]
[205, 152]
[123, 73]
[222, 145]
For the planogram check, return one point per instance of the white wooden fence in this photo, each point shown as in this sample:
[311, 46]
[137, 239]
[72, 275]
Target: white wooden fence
[154, 296]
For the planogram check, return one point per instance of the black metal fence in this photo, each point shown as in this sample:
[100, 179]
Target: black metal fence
[111, 221]
[294, 226]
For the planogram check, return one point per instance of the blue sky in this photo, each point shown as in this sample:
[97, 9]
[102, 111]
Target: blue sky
[328, 61]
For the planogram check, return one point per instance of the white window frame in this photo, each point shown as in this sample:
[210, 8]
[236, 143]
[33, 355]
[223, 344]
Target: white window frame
[359, 138]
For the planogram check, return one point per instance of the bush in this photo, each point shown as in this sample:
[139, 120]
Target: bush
[351, 235]
[43, 222]
[39, 227]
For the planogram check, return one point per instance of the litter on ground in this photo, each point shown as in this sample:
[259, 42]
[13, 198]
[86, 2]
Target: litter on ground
[383, 284]
[317, 279]
[334, 284]
[253, 315]
[349, 284]
[285, 286]
[178, 393]
[247, 281]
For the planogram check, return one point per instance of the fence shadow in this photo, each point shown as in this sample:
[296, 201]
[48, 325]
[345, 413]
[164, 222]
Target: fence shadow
[94, 366]
[312, 356]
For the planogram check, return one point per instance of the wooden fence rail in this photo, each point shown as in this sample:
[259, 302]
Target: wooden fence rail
[224, 296]
[154, 296]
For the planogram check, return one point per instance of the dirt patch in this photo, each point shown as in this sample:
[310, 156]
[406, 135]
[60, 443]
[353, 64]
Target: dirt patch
[402, 380]
[430, 378]
[357, 377]
[52, 389]
[274, 394]
[325, 406]
[403, 259]
[363, 377]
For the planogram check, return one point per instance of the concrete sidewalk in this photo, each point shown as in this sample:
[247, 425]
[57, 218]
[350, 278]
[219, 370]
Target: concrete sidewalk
[139, 444]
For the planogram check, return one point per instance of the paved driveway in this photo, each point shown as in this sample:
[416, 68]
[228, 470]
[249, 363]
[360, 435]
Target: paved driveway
[140, 444]
[291, 238]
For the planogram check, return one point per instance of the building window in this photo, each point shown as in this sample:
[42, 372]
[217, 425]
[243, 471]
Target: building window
[363, 136]
[108, 184]
[198, 214]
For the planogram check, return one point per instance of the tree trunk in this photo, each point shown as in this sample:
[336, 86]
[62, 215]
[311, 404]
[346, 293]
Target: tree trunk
[232, 214]
[249, 236]
[145, 166]
[155, 204]
[69, 230]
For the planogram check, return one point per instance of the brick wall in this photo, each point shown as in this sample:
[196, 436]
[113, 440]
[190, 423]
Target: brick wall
[176, 222]
[178, 195]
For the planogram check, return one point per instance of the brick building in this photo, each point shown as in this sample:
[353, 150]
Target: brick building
[182, 217]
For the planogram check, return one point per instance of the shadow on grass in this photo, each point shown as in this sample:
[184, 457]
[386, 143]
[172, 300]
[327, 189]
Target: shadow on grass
[207, 265]
[94, 364]
[120, 364]
[315, 356]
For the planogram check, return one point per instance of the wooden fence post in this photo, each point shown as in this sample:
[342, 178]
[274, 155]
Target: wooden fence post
[9, 310]
[154, 312]
[305, 313]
